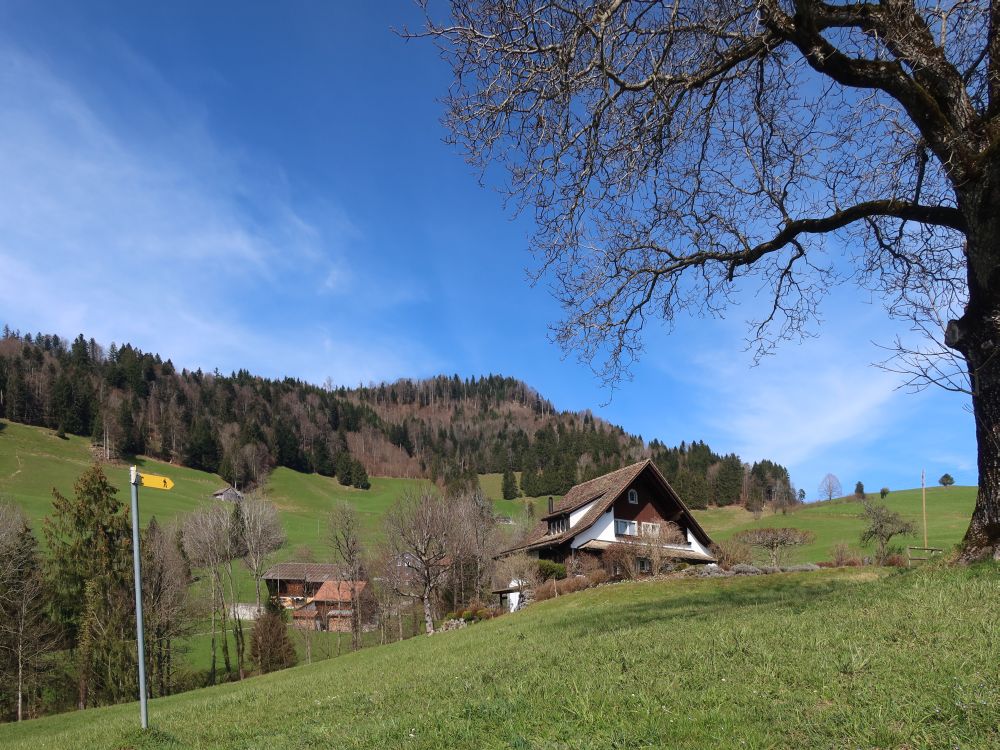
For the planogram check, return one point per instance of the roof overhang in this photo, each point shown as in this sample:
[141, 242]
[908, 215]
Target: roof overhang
[682, 553]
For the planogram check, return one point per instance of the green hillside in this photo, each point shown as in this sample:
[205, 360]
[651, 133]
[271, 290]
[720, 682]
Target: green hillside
[33, 461]
[948, 513]
[848, 658]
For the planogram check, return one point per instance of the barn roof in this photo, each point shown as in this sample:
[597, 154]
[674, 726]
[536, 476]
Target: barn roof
[308, 572]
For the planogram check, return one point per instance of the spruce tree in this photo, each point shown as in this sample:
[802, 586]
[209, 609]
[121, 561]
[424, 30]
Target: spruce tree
[510, 489]
[90, 548]
[345, 469]
[359, 477]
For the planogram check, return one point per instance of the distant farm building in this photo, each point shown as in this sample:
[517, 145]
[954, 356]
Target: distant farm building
[317, 596]
[228, 495]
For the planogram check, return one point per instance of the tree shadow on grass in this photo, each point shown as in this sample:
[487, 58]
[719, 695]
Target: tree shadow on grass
[793, 596]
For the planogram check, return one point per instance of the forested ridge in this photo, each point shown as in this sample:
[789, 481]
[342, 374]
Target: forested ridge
[448, 429]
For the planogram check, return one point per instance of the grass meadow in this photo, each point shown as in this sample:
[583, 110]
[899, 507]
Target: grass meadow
[851, 658]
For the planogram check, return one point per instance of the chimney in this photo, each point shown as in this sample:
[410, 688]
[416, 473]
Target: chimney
[552, 505]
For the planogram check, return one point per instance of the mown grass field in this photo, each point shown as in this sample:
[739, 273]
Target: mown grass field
[853, 658]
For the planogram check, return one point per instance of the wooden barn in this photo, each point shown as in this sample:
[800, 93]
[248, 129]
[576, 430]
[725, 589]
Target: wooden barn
[315, 592]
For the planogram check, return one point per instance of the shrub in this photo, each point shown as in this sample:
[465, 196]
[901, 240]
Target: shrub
[548, 569]
[545, 591]
[598, 576]
[468, 615]
[774, 541]
[742, 569]
[677, 567]
[895, 560]
[585, 565]
[841, 554]
[483, 614]
[730, 553]
[574, 584]
[770, 569]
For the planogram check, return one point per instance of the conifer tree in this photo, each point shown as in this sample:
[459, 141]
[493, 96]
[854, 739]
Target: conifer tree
[359, 476]
[510, 489]
[90, 548]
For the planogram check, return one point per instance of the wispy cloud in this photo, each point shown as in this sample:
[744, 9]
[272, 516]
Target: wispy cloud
[158, 234]
[816, 406]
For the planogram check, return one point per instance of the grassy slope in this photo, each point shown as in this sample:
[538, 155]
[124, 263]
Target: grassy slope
[948, 513]
[833, 659]
[33, 461]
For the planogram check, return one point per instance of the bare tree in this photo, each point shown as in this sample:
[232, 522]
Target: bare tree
[474, 544]
[166, 576]
[211, 542]
[262, 536]
[830, 487]
[519, 571]
[676, 154]
[345, 538]
[774, 541]
[654, 544]
[419, 532]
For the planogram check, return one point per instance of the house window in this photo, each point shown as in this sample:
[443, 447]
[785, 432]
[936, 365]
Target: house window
[626, 528]
[644, 565]
[633, 497]
[650, 529]
[558, 525]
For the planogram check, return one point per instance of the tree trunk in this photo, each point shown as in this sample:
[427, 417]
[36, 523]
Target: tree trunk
[20, 684]
[977, 337]
[428, 618]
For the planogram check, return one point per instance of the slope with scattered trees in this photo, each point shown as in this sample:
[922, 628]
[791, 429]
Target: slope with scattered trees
[447, 429]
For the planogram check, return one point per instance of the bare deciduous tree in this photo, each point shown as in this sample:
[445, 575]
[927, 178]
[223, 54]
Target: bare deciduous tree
[676, 155]
[165, 580]
[474, 543]
[345, 538]
[654, 544]
[419, 533]
[211, 542]
[774, 541]
[262, 536]
[830, 487]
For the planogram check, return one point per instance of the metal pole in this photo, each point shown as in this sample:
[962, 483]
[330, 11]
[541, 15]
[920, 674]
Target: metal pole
[923, 502]
[136, 567]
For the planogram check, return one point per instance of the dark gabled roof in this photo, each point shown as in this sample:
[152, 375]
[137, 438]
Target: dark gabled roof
[602, 491]
[308, 572]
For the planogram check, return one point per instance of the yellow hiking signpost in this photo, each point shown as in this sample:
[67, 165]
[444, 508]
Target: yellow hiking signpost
[160, 483]
[156, 481]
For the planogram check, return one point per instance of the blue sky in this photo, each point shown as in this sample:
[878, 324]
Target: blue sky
[266, 186]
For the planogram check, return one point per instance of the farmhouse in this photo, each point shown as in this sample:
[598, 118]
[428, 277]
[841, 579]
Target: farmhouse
[316, 593]
[228, 495]
[630, 509]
